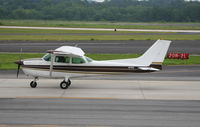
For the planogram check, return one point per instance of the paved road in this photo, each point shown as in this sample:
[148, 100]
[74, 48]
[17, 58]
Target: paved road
[99, 29]
[100, 113]
[134, 46]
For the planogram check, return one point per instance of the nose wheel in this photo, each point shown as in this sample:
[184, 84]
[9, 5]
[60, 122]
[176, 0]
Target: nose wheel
[33, 83]
[64, 84]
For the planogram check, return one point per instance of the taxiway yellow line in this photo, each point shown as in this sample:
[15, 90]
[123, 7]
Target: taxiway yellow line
[46, 126]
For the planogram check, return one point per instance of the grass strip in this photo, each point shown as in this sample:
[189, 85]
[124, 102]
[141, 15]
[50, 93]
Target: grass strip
[7, 59]
[46, 31]
[86, 24]
[97, 37]
[45, 35]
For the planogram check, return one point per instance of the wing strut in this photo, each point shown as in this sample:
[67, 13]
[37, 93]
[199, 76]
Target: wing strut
[51, 65]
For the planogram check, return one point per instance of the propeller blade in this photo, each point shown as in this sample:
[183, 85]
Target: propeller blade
[18, 70]
[20, 56]
[19, 63]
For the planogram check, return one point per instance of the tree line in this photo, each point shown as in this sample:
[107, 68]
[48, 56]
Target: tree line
[109, 10]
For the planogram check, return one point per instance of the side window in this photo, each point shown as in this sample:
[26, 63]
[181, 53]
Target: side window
[62, 59]
[77, 60]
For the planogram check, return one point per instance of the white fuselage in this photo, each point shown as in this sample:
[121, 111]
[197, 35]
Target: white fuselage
[41, 68]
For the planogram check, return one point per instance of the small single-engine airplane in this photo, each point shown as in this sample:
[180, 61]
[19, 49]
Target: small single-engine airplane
[68, 62]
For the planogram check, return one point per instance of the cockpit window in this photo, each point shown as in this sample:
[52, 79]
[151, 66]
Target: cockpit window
[62, 59]
[47, 57]
[89, 59]
[77, 60]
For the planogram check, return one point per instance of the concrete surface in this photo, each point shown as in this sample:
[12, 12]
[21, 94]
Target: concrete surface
[102, 89]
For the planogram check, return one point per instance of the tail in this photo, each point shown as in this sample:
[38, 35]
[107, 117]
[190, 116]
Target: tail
[158, 60]
[153, 57]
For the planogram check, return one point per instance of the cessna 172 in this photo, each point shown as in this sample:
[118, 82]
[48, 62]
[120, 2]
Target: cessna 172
[68, 62]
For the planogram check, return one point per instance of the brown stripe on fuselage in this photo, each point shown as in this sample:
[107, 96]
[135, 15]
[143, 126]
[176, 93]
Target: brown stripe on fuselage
[79, 72]
[157, 66]
[89, 68]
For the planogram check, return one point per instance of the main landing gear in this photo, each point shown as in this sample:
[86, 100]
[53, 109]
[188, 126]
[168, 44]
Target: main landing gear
[63, 85]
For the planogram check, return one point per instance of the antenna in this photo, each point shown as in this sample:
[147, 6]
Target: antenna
[76, 45]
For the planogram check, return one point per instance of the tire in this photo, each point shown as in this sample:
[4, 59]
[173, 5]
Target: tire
[69, 82]
[33, 84]
[64, 85]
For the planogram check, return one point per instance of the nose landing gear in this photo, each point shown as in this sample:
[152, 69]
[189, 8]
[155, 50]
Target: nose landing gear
[33, 83]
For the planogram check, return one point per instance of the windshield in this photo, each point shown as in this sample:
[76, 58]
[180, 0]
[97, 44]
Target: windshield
[47, 57]
[89, 59]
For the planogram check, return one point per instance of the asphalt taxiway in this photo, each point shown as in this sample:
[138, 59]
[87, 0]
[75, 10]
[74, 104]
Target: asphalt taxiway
[98, 113]
[130, 46]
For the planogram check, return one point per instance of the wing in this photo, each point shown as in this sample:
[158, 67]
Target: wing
[68, 50]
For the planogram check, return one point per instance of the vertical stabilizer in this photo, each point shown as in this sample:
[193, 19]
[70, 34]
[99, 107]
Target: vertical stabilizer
[158, 60]
[155, 54]
[153, 57]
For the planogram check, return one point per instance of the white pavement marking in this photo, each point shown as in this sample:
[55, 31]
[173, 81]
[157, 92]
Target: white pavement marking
[102, 29]
[102, 89]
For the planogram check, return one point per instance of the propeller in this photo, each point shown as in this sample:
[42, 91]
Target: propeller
[19, 62]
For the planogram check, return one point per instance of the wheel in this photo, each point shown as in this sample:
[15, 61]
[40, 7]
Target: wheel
[33, 84]
[64, 84]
